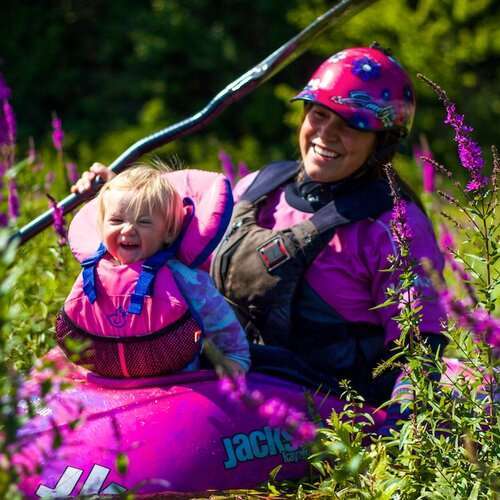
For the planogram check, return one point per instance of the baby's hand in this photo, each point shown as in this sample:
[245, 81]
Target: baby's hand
[234, 369]
[84, 183]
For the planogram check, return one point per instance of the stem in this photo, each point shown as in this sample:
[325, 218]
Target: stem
[489, 307]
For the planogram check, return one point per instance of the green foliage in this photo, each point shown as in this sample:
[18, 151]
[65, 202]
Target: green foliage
[136, 67]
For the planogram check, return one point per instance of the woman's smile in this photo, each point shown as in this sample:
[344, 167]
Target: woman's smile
[331, 150]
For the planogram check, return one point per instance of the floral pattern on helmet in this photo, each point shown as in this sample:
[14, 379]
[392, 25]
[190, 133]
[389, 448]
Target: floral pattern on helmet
[366, 69]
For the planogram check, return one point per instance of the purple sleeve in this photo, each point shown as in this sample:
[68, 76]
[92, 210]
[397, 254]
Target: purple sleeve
[219, 321]
[423, 244]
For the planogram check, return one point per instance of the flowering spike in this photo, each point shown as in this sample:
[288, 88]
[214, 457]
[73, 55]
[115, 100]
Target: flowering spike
[496, 170]
[274, 410]
[469, 152]
[58, 217]
[423, 155]
[57, 133]
[227, 166]
[4, 89]
[13, 200]
[72, 171]
[10, 122]
[243, 169]
[484, 327]
[49, 179]
[400, 229]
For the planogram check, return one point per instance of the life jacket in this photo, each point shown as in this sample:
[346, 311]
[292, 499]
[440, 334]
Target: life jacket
[132, 320]
[259, 270]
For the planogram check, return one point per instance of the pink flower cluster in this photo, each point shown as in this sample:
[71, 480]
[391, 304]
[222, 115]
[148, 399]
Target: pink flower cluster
[484, 327]
[401, 231]
[469, 152]
[276, 412]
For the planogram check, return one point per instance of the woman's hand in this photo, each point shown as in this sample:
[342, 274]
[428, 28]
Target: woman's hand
[84, 183]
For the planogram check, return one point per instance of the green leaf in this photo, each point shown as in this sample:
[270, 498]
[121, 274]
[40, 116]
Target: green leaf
[121, 463]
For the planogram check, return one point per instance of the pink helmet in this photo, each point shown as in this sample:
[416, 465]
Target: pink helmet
[366, 87]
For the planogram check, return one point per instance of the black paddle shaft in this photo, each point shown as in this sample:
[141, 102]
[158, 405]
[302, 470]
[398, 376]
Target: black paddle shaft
[242, 86]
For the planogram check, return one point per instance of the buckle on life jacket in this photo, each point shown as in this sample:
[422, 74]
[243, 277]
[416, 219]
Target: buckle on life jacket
[273, 253]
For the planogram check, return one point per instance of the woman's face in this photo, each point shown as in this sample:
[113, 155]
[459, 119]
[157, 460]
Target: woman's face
[331, 150]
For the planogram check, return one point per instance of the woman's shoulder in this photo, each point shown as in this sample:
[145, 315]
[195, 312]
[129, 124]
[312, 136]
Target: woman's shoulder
[375, 236]
[243, 184]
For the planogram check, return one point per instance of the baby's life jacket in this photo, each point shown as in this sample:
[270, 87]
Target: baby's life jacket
[133, 320]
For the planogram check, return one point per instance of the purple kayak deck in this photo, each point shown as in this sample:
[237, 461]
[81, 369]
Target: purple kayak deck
[179, 433]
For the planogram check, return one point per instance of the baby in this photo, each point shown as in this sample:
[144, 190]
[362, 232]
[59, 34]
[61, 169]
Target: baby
[136, 310]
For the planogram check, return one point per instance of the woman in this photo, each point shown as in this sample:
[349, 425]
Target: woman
[303, 260]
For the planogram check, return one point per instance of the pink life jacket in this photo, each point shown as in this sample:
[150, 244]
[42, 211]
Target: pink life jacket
[132, 320]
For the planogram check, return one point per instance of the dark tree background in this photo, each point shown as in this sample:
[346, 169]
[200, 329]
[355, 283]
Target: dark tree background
[115, 71]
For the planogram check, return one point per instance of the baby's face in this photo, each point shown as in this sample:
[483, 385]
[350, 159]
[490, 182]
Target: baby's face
[129, 237]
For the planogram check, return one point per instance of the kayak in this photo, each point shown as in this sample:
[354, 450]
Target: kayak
[175, 433]
[172, 433]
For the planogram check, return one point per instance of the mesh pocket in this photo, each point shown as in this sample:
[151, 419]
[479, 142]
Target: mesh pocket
[163, 352]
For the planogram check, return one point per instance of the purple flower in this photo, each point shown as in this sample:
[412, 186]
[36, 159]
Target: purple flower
[227, 166]
[484, 327]
[49, 179]
[58, 216]
[276, 412]
[401, 231]
[13, 200]
[422, 155]
[235, 388]
[4, 220]
[243, 169]
[469, 152]
[4, 89]
[10, 122]
[57, 133]
[446, 241]
[366, 69]
[72, 171]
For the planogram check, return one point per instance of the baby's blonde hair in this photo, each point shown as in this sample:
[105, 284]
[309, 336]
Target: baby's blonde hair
[153, 192]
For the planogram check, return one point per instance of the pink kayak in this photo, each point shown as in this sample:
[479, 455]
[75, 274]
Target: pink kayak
[179, 433]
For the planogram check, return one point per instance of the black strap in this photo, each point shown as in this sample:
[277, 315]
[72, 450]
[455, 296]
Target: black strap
[369, 199]
[269, 178]
[360, 200]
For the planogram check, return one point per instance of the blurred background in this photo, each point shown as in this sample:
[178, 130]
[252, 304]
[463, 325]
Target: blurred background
[115, 71]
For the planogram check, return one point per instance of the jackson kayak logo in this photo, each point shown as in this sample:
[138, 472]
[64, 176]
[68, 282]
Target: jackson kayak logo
[261, 443]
